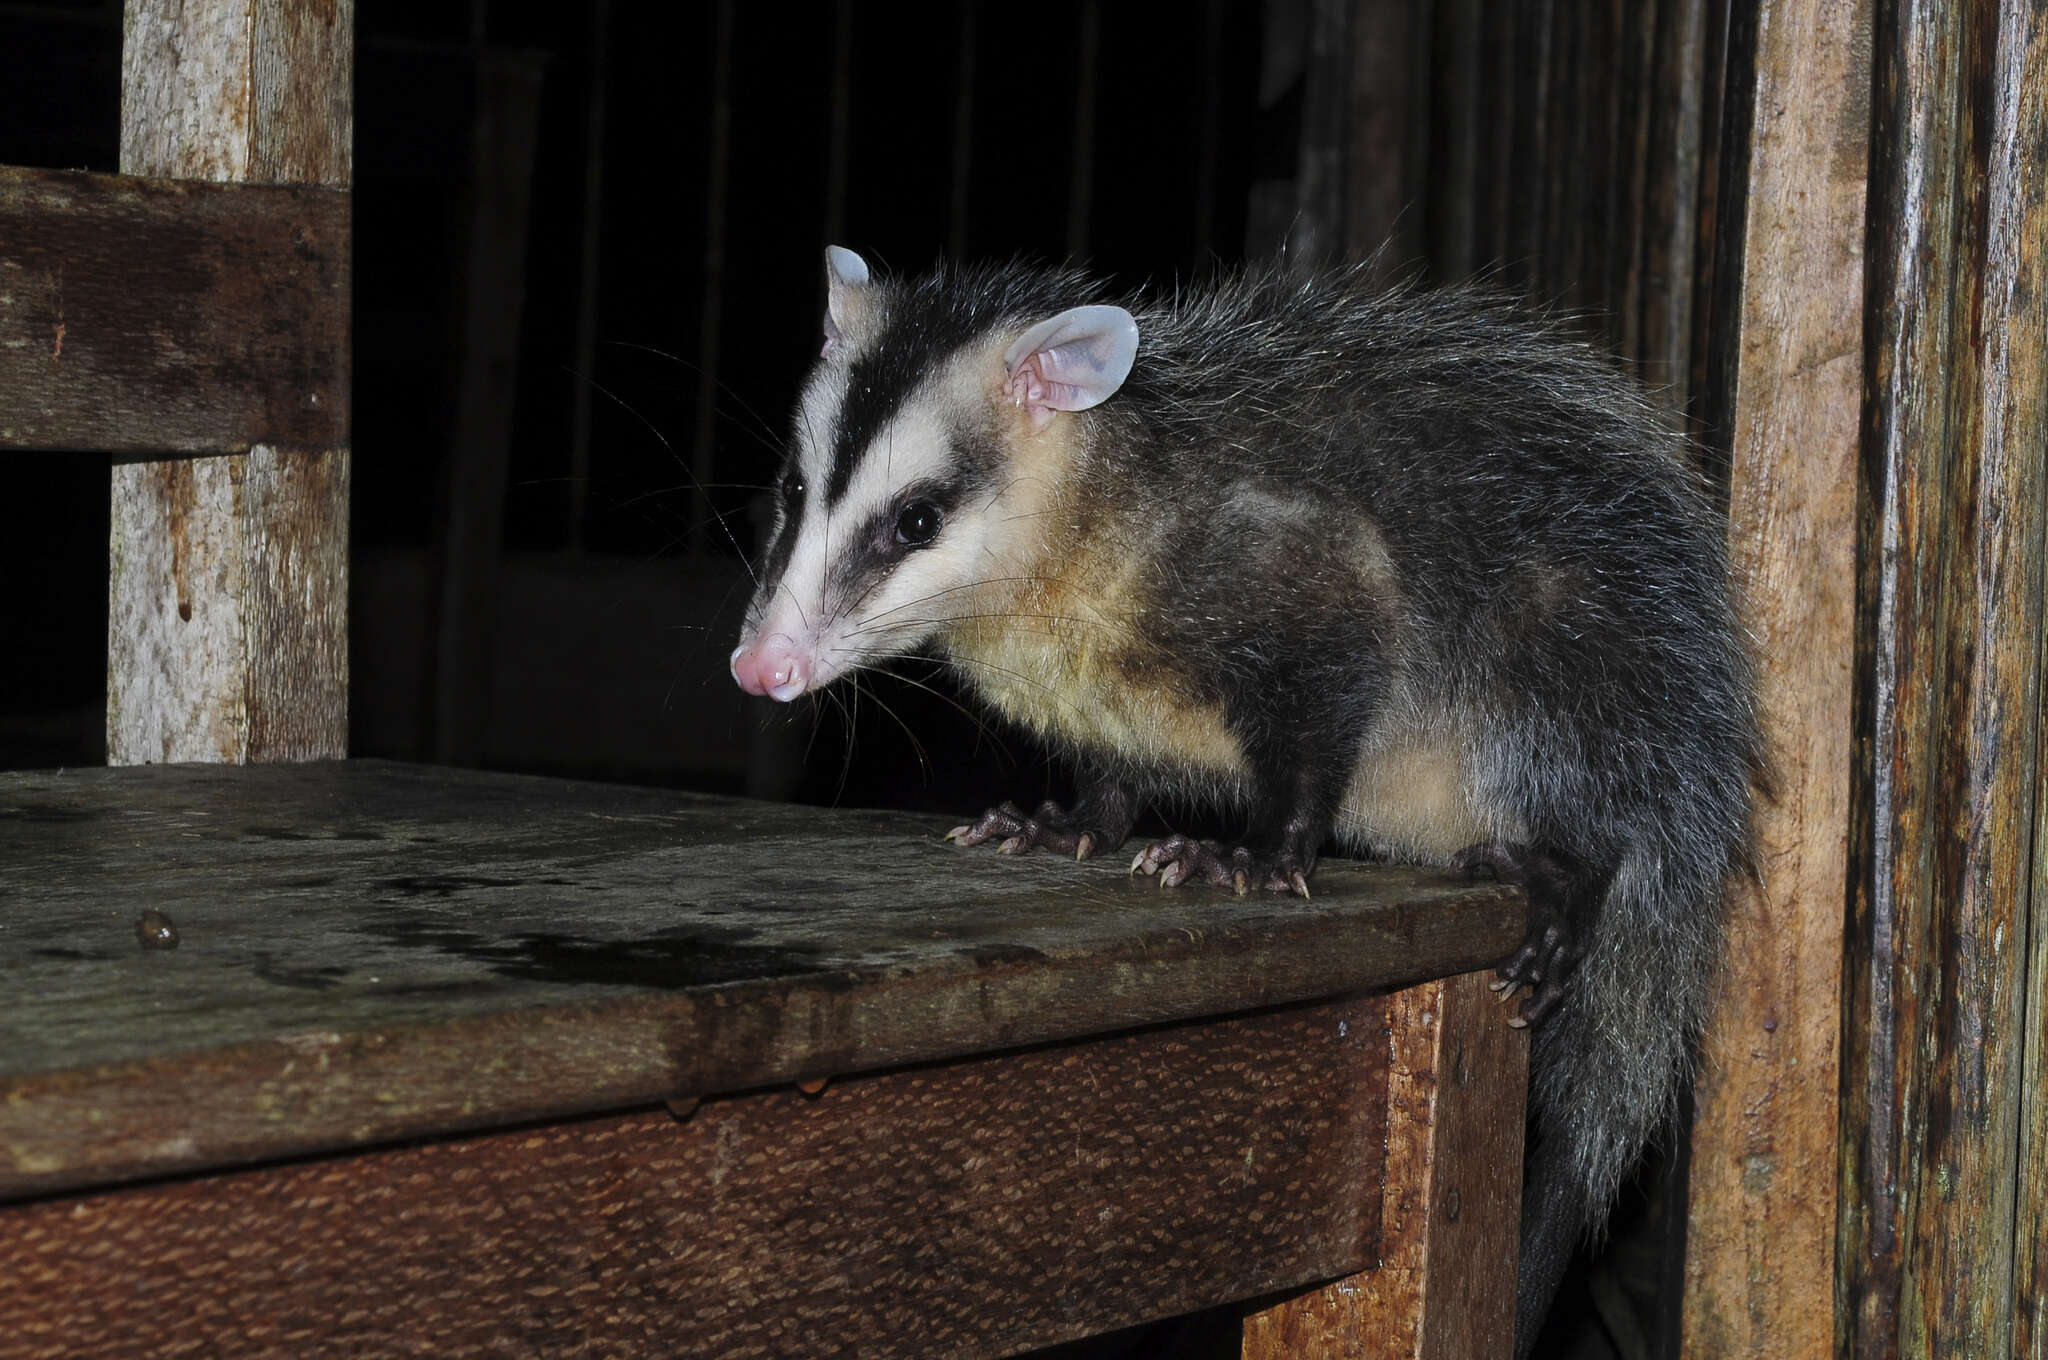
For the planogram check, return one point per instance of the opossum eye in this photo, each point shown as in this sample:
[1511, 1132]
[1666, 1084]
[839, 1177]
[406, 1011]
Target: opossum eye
[918, 524]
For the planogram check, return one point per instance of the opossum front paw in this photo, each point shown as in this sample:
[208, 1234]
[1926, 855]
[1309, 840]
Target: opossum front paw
[1549, 953]
[1051, 827]
[1180, 858]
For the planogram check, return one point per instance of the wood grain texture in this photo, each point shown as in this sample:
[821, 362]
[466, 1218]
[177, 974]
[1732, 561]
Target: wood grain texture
[167, 316]
[1945, 1014]
[1763, 1154]
[248, 662]
[1452, 1192]
[227, 628]
[372, 951]
[976, 1207]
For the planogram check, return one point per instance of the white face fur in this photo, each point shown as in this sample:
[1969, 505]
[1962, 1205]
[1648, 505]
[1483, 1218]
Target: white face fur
[876, 571]
[923, 517]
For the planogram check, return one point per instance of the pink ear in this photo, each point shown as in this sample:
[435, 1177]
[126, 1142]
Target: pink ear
[1076, 360]
[846, 275]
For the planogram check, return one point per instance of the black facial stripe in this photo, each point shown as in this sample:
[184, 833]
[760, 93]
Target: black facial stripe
[874, 549]
[784, 546]
[881, 379]
[928, 321]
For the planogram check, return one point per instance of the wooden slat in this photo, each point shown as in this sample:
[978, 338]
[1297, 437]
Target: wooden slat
[247, 661]
[373, 951]
[1452, 1196]
[1942, 1225]
[1760, 1260]
[157, 316]
[971, 1208]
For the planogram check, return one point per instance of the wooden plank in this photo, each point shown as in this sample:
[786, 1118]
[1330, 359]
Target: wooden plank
[372, 951]
[1452, 1196]
[971, 1208]
[1762, 1209]
[155, 315]
[1939, 1121]
[250, 662]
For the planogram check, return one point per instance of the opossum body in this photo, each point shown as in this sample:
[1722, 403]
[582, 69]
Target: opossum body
[1407, 571]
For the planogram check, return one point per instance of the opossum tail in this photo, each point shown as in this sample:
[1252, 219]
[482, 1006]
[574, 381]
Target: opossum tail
[1608, 1066]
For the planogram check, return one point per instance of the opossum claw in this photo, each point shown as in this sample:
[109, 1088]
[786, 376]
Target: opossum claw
[1181, 859]
[1051, 827]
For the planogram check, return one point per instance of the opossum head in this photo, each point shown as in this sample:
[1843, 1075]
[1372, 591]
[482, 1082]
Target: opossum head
[920, 445]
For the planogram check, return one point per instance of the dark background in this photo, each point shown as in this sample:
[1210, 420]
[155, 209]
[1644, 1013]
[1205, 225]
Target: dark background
[1156, 89]
[1529, 142]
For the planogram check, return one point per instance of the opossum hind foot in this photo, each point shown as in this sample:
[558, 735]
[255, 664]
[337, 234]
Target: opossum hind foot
[1180, 858]
[1564, 904]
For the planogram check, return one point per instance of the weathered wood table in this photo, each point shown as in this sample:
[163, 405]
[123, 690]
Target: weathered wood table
[453, 1063]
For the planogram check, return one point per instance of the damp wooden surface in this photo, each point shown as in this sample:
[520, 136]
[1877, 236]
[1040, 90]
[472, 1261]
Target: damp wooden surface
[370, 951]
[158, 316]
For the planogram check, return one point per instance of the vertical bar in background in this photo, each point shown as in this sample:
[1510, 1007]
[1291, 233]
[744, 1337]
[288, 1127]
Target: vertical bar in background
[1671, 199]
[1212, 134]
[1081, 182]
[227, 599]
[838, 138]
[711, 322]
[584, 377]
[1315, 238]
[1380, 218]
[1454, 149]
[470, 548]
[1492, 193]
[1762, 1197]
[963, 135]
[1534, 74]
[1632, 28]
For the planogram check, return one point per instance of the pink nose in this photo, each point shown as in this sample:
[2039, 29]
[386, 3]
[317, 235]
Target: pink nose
[772, 666]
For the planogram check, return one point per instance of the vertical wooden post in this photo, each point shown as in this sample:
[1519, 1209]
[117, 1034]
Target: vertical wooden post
[1942, 1215]
[1760, 1258]
[228, 599]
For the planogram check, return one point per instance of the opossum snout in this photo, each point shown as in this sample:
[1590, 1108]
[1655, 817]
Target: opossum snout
[773, 665]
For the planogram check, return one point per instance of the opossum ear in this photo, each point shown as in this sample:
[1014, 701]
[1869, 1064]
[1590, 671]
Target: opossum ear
[846, 275]
[1072, 362]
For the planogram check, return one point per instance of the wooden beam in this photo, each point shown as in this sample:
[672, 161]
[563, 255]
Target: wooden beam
[1942, 1139]
[979, 1207]
[1451, 1195]
[167, 316]
[228, 597]
[1760, 1259]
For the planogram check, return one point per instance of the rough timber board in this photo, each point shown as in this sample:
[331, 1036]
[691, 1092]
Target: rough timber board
[370, 951]
[974, 1207]
[158, 316]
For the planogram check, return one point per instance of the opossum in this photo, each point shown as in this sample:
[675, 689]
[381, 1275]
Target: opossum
[1409, 571]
